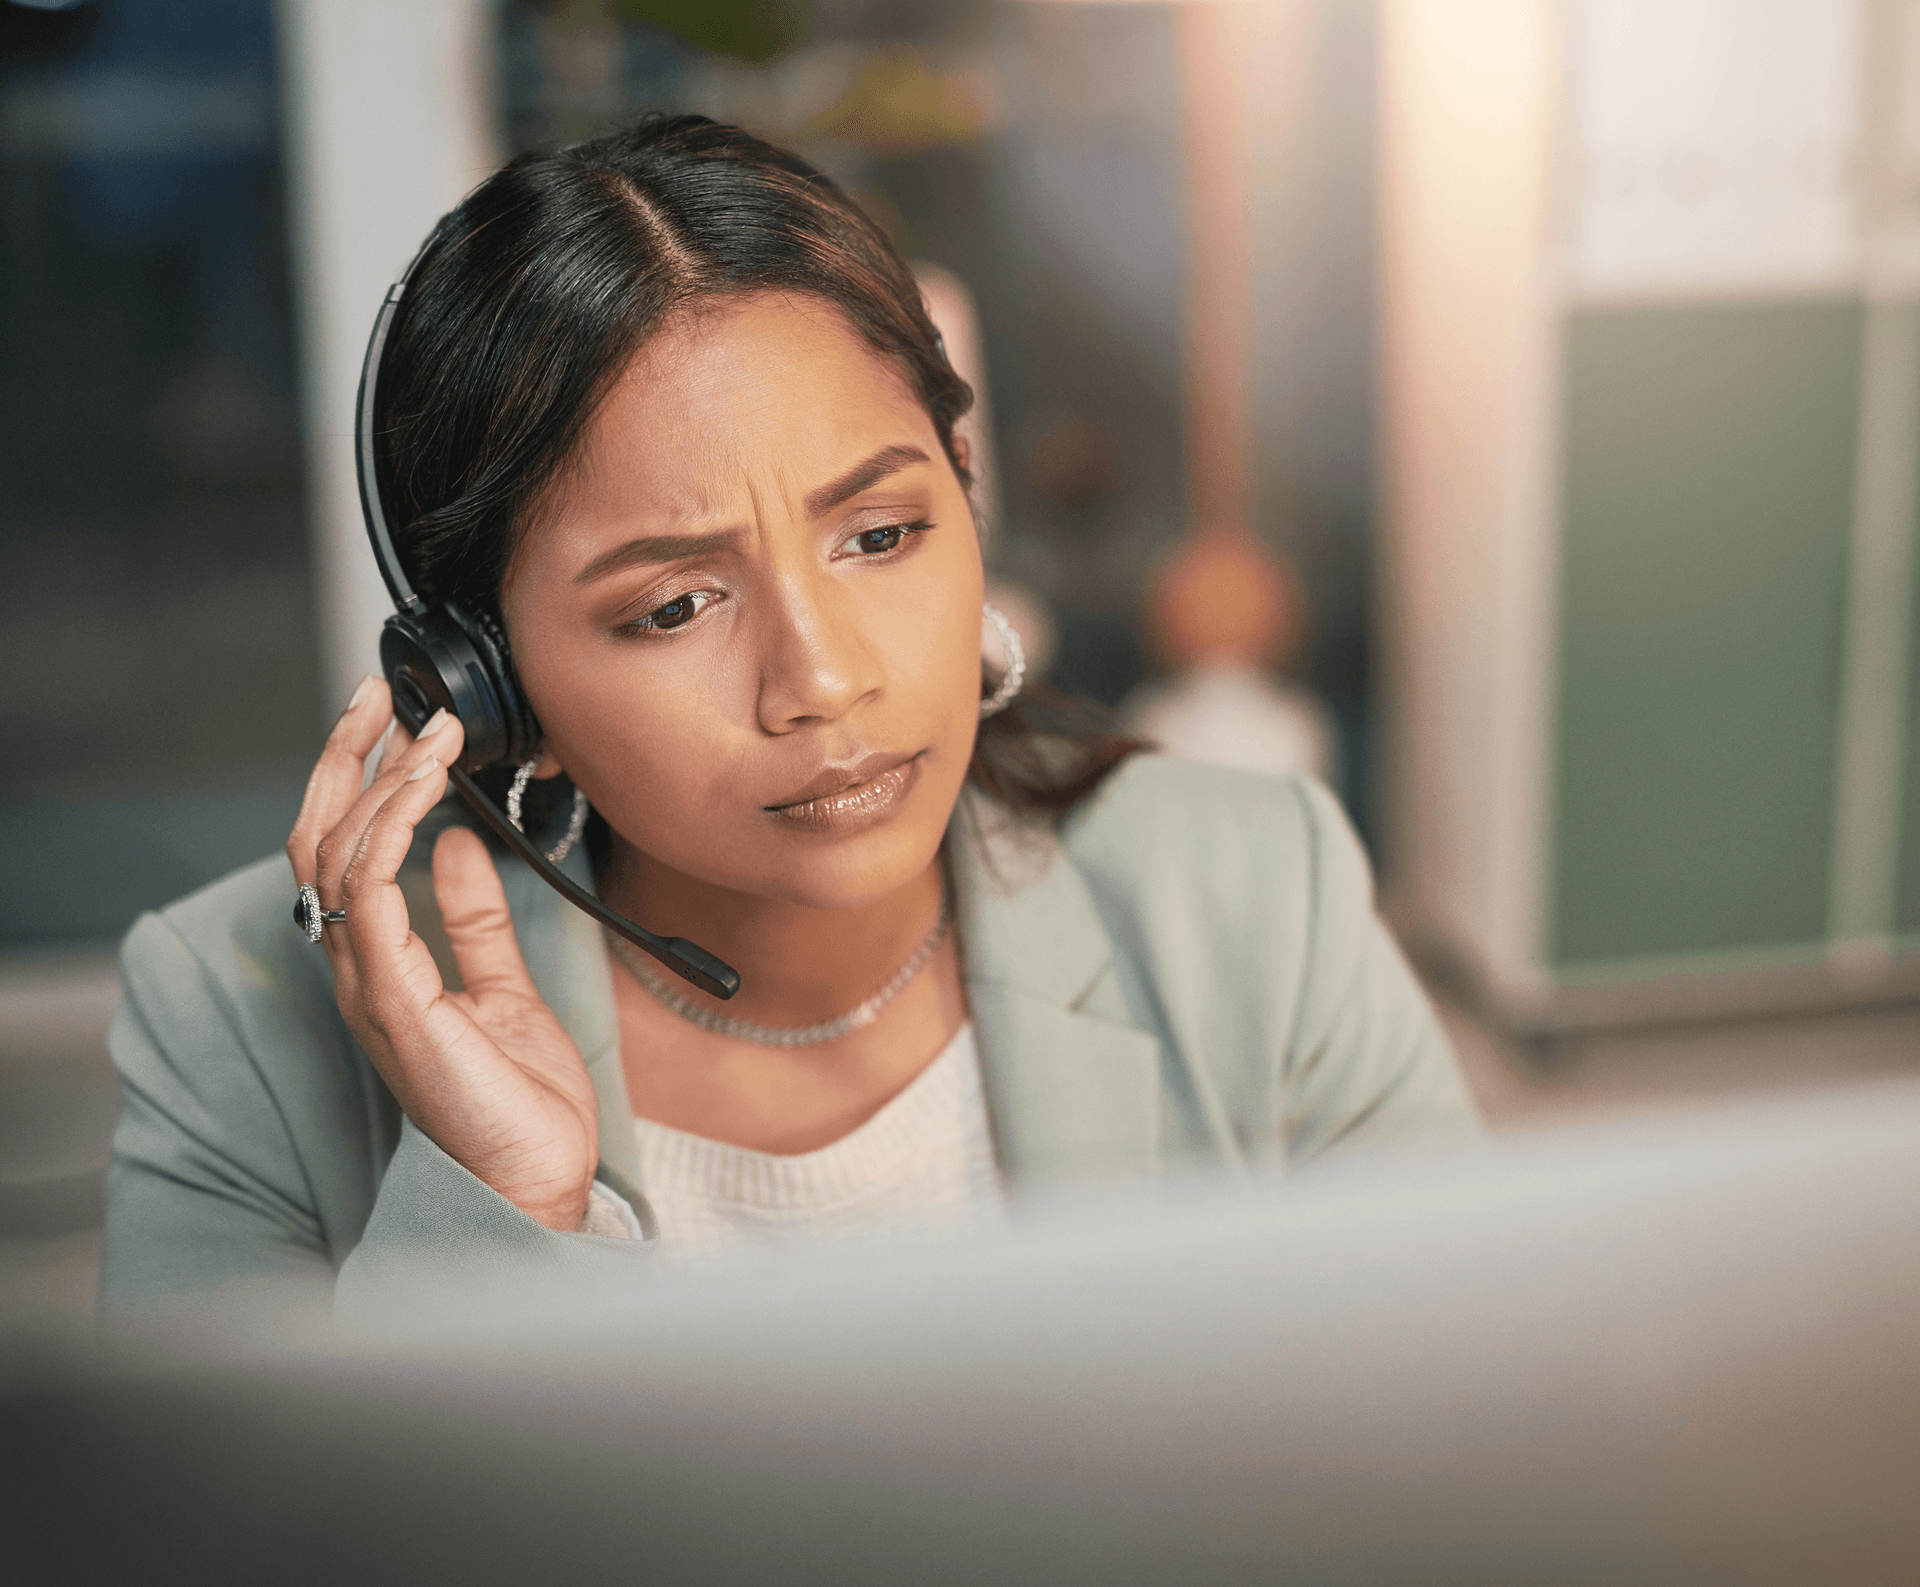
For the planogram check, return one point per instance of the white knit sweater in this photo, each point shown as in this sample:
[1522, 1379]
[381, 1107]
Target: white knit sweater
[923, 1163]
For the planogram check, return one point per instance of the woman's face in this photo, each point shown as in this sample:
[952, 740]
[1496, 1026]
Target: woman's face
[748, 618]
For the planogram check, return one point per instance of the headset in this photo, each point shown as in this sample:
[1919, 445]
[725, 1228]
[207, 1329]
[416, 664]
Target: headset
[437, 656]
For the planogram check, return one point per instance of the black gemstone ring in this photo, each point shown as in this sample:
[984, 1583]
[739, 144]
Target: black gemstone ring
[309, 916]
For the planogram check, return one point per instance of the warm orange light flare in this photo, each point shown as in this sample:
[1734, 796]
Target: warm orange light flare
[1214, 43]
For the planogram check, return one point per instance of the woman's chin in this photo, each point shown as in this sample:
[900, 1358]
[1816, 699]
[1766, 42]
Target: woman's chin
[855, 872]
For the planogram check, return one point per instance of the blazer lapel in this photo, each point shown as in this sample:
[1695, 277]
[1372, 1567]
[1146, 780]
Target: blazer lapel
[1072, 1084]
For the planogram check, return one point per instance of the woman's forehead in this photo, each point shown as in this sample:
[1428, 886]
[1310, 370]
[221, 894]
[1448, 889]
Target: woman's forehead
[734, 356]
[774, 384]
[734, 406]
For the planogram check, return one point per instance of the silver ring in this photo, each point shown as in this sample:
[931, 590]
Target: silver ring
[309, 916]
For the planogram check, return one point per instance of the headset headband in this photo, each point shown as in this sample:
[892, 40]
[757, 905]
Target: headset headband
[365, 467]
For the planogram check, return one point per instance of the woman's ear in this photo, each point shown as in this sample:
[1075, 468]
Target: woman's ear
[962, 453]
[549, 766]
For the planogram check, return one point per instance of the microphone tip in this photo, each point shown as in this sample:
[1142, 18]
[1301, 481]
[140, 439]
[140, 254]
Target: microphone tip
[693, 963]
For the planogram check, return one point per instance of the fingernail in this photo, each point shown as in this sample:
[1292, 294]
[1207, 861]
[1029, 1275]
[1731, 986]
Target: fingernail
[433, 724]
[360, 693]
[426, 768]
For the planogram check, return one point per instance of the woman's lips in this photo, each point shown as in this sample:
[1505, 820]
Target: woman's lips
[862, 803]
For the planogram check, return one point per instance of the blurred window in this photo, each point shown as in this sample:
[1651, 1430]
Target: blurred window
[156, 619]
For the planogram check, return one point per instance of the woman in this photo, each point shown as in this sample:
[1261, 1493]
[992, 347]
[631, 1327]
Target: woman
[667, 410]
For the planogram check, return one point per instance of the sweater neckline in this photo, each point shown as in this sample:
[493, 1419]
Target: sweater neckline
[842, 1169]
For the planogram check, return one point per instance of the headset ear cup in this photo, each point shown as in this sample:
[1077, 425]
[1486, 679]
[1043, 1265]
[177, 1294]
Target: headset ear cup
[516, 716]
[432, 664]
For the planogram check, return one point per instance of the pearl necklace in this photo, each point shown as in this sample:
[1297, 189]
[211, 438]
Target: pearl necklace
[641, 969]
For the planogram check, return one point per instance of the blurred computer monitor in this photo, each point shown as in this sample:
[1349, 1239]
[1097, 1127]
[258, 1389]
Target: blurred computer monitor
[1672, 1350]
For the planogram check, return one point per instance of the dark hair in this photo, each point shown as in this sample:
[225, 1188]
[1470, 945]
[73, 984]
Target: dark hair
[539, 288]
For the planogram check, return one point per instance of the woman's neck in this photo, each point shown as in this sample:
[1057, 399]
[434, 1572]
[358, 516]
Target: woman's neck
[798, 965]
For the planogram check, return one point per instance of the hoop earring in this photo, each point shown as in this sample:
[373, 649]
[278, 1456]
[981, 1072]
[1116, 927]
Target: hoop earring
[575, 827]
[1016, 673]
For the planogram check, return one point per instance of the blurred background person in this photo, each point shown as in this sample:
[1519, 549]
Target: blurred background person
[1221, 612]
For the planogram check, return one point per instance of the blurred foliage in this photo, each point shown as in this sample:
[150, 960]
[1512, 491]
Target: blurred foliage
[755, 31]
[899, 104]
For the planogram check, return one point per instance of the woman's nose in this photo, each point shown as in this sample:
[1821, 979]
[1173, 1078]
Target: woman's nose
[817, 664]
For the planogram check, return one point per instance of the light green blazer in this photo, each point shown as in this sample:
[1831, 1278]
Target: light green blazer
[1188, 971]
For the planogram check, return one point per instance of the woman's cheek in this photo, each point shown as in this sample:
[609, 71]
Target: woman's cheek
[670, 744]
[627, 737]
[939, 642]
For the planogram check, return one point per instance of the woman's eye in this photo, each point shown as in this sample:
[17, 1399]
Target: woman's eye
[676, 613]
[878, 542]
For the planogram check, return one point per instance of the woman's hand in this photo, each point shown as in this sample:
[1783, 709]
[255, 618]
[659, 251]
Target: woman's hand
[487, 1072]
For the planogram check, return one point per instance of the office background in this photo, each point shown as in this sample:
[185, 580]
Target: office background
[1569, 353]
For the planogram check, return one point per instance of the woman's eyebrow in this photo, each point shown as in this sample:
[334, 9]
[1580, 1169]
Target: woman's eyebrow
[655, 548]
[888, 460]
[672, 548]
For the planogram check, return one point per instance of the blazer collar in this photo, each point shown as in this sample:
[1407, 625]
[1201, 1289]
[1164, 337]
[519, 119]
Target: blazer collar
[1072, 1083]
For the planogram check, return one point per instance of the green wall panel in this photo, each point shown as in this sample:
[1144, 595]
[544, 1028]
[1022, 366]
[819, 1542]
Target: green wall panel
[1707, 489]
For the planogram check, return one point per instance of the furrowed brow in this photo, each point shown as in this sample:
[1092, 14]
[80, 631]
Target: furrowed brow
[654, 548]
[888, 460]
